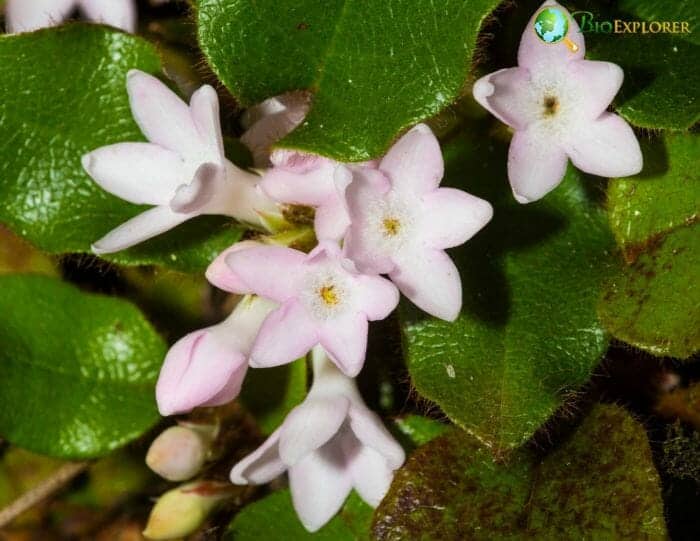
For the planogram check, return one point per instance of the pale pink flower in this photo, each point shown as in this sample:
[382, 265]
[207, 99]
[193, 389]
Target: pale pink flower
[402, 221]
[329, 444]
[556, 102]
[323, 300]
[307, 179]
[207, 367]
[182, 170]
[29, 15]
[271, 120]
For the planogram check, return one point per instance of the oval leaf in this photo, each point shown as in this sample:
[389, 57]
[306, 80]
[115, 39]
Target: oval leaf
[376, 68]
[452, 489]
[653, 302]
[528, 333]
[77, 370]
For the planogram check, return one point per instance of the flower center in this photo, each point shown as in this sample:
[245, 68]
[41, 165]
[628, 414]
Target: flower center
[391, 226]
[326, 292]
[329, 295]
[551, 105]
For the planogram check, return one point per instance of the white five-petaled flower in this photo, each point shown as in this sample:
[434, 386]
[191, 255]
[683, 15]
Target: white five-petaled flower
[182, 170]
[28, 15]
[329, 444]
[323, 300]
[556, 102]
[402, 221]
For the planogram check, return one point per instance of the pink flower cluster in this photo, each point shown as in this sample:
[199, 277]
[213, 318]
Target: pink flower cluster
[383, 228]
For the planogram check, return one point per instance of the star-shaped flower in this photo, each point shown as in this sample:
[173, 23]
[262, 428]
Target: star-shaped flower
[329, 444]
[207, 367]
[183, 170]
[28, 15]
[402, 221]
[323, 300]
[556, 102]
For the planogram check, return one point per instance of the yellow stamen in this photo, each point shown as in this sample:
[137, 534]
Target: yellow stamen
[328, 295]
[391, 226]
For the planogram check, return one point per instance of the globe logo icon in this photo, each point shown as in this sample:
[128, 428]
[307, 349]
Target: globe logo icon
[552, 25]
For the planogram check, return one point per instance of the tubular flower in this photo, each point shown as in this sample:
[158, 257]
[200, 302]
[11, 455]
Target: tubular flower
[556, 102]
[207, 367]
[402, 221]
[29, 15]
[329, 444]
[182, 170]
[323, 300]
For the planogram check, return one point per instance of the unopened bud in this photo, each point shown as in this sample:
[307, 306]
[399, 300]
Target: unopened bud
[181, 511]
[179, 452]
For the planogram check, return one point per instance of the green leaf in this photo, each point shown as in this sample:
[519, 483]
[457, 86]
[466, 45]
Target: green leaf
[452, 489]
[528, 333]
[662, 85]
[270, 394]
[77, 370]
[50, 117]
[663, 197]
[274, 518]
[375, 68]
[653, 302]
[419, 430]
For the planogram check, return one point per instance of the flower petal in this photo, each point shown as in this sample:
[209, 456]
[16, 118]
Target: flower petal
[270, 271]
[195, 195]
[332, 219]
[452, 217]
[414, 164]
[363, 197]
[504, 94]
[146, 225]
[601, 81]
[371, 476]
[220, 274]
[287, 334]
[300, 178]
[345, 340]
[261, 466]
[536, 165]
[431, 281]
[378, 296]
[163, 117]
[24, 16]
[369, 429]
[605, 147]
[141, 173]
[204, 108]
[120, 14]
[196, 369]
[320, 483]
[310, 425]
[536, 54]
